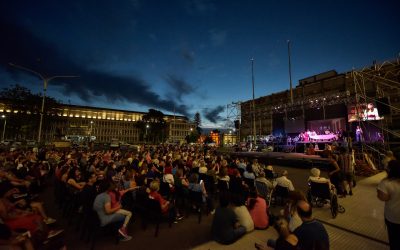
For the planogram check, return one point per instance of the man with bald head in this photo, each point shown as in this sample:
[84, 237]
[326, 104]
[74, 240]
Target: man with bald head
[312, 234]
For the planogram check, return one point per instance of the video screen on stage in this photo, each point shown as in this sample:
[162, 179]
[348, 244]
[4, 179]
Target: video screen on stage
[363, 112]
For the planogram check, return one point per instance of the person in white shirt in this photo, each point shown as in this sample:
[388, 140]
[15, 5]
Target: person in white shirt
[371, 113]
[315, 177]
[202, 167]
[388, 191]
[283, 181]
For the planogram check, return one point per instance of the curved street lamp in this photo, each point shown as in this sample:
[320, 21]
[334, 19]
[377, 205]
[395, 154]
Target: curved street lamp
[45, 80]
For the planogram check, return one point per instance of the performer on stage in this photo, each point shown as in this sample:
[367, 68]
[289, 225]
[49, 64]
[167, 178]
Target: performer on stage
[371, 113]
[301, 136]
[359, 134]
[307, 136]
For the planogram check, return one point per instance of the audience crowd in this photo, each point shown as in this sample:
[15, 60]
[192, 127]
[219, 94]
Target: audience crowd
[109, 183]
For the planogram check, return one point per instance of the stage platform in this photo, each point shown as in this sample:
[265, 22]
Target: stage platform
[299, 160]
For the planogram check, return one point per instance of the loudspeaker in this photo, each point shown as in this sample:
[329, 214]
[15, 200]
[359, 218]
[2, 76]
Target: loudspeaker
[382, 105]
[237, 124]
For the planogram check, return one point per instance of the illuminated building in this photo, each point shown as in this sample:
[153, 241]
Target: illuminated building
[101, 124]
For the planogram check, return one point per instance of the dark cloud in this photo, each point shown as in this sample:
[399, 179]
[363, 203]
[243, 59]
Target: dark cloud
[199, 7]
[188, 56]
[179, 86]
[21, 47]
[213, 114]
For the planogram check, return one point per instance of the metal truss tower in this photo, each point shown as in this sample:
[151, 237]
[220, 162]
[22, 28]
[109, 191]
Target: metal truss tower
[384, 79]
[233, 116]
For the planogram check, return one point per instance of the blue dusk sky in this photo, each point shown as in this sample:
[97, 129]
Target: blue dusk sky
[187, 56]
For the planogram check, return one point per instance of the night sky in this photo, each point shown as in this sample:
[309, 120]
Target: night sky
[187, 55]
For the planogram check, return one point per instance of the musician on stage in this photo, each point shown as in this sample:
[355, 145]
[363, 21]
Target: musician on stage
[359, 134]
[371, 113]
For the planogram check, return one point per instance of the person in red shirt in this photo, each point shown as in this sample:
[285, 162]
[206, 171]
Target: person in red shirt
[166, 206]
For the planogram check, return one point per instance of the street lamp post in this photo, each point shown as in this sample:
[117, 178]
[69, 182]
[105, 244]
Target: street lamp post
[254, 104]
[4, 127]
[45, 80]
[90, 134]
[147, 127]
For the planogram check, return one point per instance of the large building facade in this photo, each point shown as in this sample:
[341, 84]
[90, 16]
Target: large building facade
[96, 124]
[328, 96]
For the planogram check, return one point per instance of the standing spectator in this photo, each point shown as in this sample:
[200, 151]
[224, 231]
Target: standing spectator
[389, 156]
[311, 234]
[334, 174]
[389, 192]
[346, 166]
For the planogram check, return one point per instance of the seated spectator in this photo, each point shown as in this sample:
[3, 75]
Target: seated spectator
[128, 180]
[290, 211]
[74, 179]
[286, 239]
[242, 213]
[241, 165]
[88, 193]
[12, 240]
[223, 174]
[261, 178]
[269, 173]
[310, 149]
[115, 197]
[196, 186]
[258, 210]
[283, 181]
[248, 173]
[225, 227]
[315, 177]
[311, 234]
[166, 206]
[257, 169]
[168, 177]
[107, 214]
[203, 167]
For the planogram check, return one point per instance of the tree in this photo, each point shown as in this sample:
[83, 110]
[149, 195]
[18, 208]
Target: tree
[153, 127]
[23, 121]
[208, 139]
[197, 121]
[193, 137]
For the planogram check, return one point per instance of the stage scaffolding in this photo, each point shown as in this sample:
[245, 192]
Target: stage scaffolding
[371, 84]
[233, 116]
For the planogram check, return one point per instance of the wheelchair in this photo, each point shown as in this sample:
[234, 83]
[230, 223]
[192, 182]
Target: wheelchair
[320, 194]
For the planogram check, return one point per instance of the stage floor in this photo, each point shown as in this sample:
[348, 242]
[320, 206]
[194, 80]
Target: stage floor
[300, 160]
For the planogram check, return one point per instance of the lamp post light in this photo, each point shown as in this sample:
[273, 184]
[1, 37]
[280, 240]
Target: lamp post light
[147, 127]
[4, 127]
[91, 128]
[45, 80]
